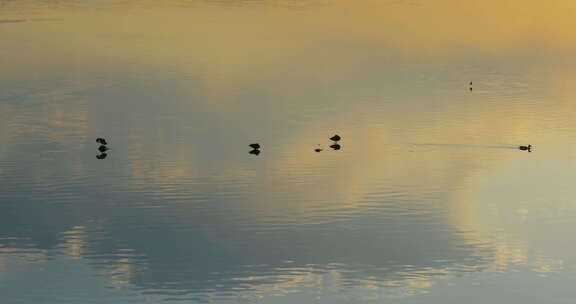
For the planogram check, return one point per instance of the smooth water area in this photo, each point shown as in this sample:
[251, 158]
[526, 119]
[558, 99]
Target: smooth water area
[429, 199]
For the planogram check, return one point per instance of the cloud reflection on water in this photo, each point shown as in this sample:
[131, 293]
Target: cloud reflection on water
[181, 209]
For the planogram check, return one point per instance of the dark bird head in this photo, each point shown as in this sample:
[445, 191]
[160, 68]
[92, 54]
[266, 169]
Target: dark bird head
[335, 138]
[101, 141]
[254, 152]
[101, 156]
[336, 147]
[103, 148]
[254, 146]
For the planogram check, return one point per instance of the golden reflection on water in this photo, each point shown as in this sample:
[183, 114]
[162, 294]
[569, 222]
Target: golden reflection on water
[243, 41]
[121, 274]
[173, 37]
[75, 242]
[248, 47]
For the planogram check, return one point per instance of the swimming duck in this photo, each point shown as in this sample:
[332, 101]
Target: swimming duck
[255, 152]
[318, 150]
[335, 138]
[101, 140]
[528, 147]
[103, 148]
[254, 146]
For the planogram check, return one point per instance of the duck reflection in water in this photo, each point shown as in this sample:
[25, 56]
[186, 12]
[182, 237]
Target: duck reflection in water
[101, 156]
[526, 148]
[255, 152]
[336, 147]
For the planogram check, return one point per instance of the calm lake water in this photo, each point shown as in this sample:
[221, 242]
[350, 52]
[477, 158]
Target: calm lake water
[429, 199]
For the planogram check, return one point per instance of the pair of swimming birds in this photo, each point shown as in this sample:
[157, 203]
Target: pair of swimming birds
[334, 138]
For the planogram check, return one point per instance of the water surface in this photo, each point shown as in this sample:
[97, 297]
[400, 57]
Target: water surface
[429, 199]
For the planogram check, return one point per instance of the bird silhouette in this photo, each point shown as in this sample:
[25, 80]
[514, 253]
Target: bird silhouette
[526, 148]
[103, 148]
[101, 140]
[254, 152]
[335, 138]
[318, 150]
[254, 146]
[101, 156]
